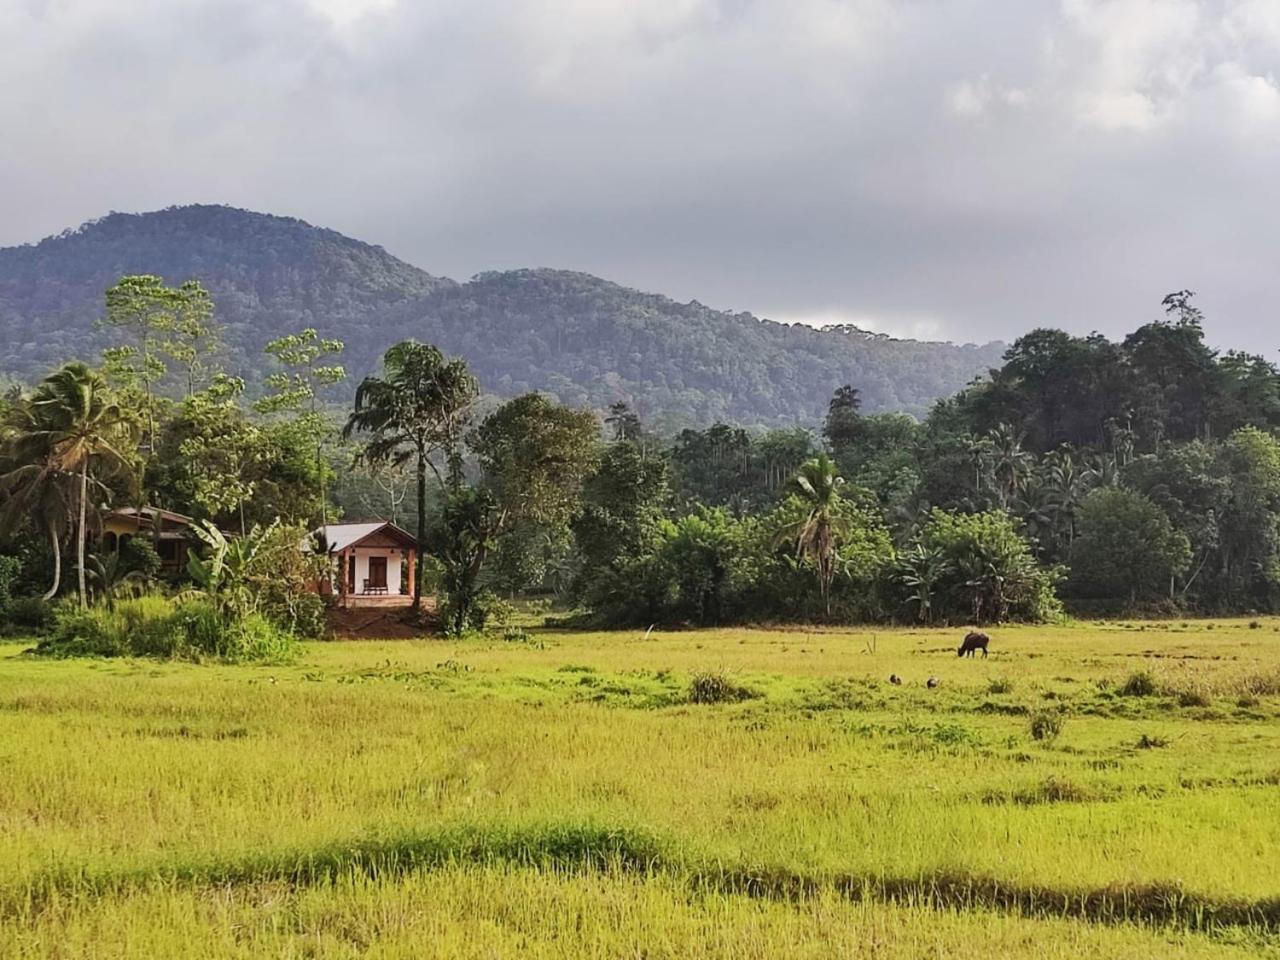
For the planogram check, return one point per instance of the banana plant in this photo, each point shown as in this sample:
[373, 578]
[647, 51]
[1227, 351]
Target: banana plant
[228, 571]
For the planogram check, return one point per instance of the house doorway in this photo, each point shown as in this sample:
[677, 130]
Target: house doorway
[378, 574]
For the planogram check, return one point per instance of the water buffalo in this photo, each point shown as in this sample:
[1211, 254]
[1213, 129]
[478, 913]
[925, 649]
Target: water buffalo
[973, 642]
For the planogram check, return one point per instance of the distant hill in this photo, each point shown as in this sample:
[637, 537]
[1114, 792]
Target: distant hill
[586, 340]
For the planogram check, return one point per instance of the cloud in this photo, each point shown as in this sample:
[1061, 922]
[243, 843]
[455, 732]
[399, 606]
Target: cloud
[984, 167]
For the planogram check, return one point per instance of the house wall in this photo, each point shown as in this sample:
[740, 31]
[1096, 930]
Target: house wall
[395, 566]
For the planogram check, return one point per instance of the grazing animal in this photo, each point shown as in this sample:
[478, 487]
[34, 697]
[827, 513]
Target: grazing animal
[974, 641]
[932, 682]
[895, 679]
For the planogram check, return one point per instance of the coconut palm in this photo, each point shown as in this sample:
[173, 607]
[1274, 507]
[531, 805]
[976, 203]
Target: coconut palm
[417, 408]
[1010, 464]
[84, 433]
[1067, 481]
[32, 487]
[817, 485]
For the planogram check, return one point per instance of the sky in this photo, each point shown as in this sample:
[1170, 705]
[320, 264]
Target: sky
[949, 169]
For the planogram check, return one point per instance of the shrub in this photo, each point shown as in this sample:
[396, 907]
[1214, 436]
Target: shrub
[1046, 725]
[155, 626]
[1194, 697]
[300, 612]
[10, 567]
[202, 632]
[33, 614]
[1140, 683]
[136, 627]
[986, 569]
[714, 687]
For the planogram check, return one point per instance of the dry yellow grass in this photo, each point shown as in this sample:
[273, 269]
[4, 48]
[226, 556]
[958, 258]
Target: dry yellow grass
[559, 798]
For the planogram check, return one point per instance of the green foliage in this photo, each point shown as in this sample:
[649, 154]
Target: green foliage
[621, 508]
[417, 408]
[73, 429]
[156, 626]
[29, 614]
[985, 570]
[1162, 383]
[464, 535]
[10, 567]
[702, 554]
[265, 574]
[535, 455]
[1127, 548]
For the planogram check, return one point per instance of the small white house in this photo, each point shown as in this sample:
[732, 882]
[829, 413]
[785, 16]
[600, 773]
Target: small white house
[371, 561]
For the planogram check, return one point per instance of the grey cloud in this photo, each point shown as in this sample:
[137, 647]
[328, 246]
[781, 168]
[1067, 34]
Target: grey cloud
[971, 167]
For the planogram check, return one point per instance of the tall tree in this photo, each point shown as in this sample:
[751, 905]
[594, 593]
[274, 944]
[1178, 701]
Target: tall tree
[843, 423]
[298, 388]
[623, 421]
[818, 485]
[535, 455]
[86, 432]
[193, 337]
[33, 487]
[418, 407]
[1127, 548]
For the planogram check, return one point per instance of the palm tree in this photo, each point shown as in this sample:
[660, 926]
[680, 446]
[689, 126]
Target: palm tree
[1067, 480]
[31, 484]
[1010, 463]
[417, 408]
[818, 484]
[624, 422]
[84, 432]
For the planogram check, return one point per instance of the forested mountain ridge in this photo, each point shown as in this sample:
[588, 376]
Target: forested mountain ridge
[268, 275]
[588, 341]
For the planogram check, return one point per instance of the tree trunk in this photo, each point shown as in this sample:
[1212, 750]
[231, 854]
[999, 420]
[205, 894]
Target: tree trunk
[81, 533]
[57, 563]
[422, 528]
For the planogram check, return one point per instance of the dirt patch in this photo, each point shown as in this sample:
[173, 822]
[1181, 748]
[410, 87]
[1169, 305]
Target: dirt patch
[380, 623]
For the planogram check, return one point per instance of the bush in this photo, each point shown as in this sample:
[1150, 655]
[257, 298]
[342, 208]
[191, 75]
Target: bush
[984, 570]
[155, 626]
[10, 567]
[137, 627]
[1046, 725]
[32, 614]
[301, 613]
[712, 687]
[138, 555]
[1140, 683]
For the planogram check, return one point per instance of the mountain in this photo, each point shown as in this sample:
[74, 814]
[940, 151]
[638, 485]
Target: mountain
[586, 340]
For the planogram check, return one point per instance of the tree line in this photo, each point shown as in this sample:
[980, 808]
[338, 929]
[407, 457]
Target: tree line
[1142, 475]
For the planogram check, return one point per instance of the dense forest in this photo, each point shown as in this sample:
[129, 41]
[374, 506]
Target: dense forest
[1081, 475]
[582, 340]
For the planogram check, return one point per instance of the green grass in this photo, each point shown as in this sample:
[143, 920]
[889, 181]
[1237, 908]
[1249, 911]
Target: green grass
[572, 797]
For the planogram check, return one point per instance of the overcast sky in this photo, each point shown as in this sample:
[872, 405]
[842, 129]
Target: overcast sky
[964, 169]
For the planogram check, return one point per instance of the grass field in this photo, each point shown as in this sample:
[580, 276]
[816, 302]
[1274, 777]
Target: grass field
[561, 796]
